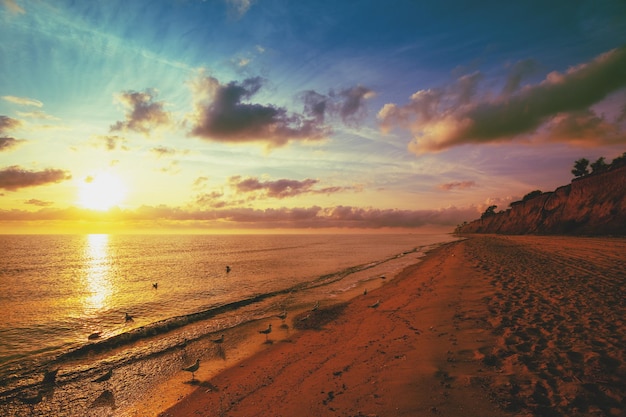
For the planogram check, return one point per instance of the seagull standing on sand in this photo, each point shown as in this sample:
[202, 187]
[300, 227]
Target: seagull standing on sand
[128, 317]
[219, 341]
[375, 304]
[266, 331]
[104, 377]
[49, 377]
[193, 368]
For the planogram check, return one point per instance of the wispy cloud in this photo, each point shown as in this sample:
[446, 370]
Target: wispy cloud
[23, 101]
[110, 142]
[442, 118]
[13, 7]
[222, 115]
[143, 113]
[460, 185]
[14, 177]
[238, 8]
[39, 203]
[282, 188]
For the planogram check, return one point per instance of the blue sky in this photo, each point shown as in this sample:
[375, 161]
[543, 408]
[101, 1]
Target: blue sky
[256, 115]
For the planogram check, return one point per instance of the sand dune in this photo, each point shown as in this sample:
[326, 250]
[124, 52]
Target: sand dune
[490, 326]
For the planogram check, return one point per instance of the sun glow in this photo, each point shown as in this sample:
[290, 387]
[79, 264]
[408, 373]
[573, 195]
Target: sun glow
[101, 192]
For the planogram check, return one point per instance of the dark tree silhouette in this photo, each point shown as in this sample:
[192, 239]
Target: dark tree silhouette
[491, 211]
[581, 167]
[599, 165]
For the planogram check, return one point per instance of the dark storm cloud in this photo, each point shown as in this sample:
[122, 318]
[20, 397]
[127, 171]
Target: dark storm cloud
[143, 113]
[440, 119]
[223, 114]
[14, 177]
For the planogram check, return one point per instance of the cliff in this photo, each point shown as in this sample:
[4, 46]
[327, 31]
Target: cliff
[591, 205]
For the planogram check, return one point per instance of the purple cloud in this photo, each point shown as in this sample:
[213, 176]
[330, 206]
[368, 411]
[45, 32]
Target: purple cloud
[223, 114]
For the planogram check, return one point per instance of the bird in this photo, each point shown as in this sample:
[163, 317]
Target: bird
[305, 318]
[104, 377]
[375, 304]
[49, 377]
[218, 341]
[193, 368]
[128, 317]
[227, 269]
[365, 291]
[266, 331]
[155, 285]
[282, 315]
[316, 306]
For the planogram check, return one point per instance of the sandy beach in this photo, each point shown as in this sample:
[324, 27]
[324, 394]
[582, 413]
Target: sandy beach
[488, 326]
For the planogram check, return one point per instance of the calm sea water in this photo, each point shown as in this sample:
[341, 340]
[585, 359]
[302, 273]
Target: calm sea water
[56, 290]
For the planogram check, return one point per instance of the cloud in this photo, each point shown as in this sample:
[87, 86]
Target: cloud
[40, 203]
[163, 151]
[7, 143]
[349, 104]
[7, 123]
[283, 188]
[461, 185]
[41, 115]
[442, 118]
[518, 71]
[313, 217]
[143, 112]
[13, 6]
[23, 101]
[222, 115]
[111, 142]
[238, 8]
[14, 177]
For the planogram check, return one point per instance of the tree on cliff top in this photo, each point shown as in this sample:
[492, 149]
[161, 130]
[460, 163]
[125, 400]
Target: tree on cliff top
[491, 211]
[581, 167]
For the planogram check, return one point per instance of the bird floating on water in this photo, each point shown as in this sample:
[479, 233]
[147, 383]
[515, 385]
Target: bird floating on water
[128, 317]
[94, 335]
[266, 331]
[365, 291]
[219, 340]
[375, 304]
[104, 377]
[227, 269]
[193, 368]
[155, 285]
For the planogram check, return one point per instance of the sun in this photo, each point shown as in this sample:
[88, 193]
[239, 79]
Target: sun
[101, 191]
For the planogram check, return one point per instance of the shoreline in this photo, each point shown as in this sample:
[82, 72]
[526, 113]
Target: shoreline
[491, 326]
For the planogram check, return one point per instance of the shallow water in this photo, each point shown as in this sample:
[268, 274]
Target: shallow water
[57, 290]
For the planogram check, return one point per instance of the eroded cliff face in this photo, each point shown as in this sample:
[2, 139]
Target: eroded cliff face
[591, 205]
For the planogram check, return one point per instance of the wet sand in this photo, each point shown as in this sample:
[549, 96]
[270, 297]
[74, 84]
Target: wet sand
[489, 326]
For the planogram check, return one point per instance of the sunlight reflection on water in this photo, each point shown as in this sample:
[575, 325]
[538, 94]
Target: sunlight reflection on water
[97, 268]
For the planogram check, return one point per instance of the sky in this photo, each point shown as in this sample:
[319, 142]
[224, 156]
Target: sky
[224, 116]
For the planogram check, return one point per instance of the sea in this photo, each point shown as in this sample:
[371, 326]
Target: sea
[84, 303]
